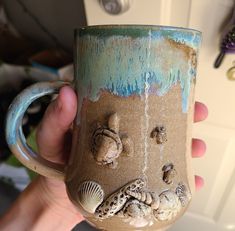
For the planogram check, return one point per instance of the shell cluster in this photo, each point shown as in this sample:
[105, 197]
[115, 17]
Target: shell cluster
[133, 201]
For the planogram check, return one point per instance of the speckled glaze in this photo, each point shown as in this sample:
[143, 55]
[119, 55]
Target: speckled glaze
[129, 167]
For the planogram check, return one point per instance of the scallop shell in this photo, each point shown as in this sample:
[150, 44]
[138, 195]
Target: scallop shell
[169, 207]
[90, 195]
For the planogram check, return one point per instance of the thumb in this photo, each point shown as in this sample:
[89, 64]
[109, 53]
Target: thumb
[53, 134]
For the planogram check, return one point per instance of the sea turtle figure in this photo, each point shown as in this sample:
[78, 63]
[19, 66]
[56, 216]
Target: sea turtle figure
[108, 144]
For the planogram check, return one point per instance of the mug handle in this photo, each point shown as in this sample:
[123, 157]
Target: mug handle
[14, 134]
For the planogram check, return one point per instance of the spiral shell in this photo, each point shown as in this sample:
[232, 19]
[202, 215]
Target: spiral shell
[149, 198]
[169, 207]
[90, 195]
[183, 193]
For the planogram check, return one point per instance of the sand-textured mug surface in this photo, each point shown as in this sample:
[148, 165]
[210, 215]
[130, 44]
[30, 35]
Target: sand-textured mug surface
[130, 164]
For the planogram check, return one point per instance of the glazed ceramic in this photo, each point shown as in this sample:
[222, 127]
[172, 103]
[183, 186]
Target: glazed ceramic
[130, 165]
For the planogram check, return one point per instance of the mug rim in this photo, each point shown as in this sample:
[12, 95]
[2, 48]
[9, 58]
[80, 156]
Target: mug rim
[144, 27]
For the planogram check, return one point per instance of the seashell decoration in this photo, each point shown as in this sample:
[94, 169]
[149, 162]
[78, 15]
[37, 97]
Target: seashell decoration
[149, 198]
[183, 193]
[135, 209]
[107, 145]
[159, 133]
[90, 196]
[169, 173]
[132, 201]
[169, 207]
[115, 202]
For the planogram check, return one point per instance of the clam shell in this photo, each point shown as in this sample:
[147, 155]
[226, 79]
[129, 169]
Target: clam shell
[90, 195]
[169, 207]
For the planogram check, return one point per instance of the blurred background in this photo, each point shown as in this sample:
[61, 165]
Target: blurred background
[36, 44]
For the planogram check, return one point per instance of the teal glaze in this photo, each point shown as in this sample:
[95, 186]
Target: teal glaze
[136, 31]
[18, 108]
[15, 137]
[124, 59]
[190, 37]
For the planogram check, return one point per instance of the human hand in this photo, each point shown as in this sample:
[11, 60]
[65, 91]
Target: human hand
[54, 137]
[45, 204]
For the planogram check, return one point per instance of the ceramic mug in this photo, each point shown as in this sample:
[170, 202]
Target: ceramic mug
[130, 165]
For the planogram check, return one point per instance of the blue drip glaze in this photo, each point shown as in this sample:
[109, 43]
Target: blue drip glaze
[119, 64]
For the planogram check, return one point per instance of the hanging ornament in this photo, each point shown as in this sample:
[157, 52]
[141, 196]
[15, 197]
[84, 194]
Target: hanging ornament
[227, 44]
[231, 72]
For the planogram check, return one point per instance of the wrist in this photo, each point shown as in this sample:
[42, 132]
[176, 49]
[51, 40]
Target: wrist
[44, 205]
[56, 204]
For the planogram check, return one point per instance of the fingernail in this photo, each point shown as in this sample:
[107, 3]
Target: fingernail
[199, 182]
